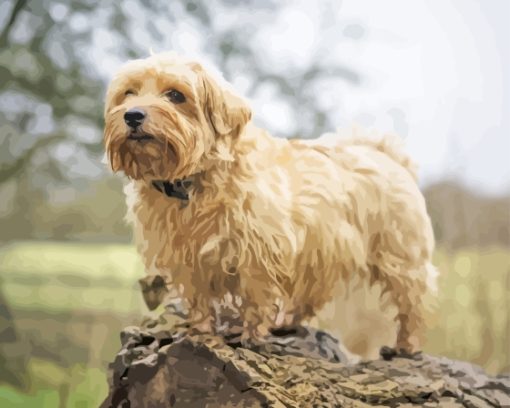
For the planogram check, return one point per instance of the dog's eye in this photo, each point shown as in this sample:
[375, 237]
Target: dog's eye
[129, 92]
[176, 96]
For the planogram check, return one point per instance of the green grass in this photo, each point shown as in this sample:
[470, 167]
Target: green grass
[69, 276]
[77, 386]
[93, 261]
[70, 300]
[43, 398]
[472, 320]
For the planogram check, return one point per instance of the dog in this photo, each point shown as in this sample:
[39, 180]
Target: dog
[223, 210]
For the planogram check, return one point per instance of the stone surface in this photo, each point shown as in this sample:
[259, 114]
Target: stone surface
[162, 365]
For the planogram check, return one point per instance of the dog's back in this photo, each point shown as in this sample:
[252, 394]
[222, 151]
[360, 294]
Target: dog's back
[389, 144]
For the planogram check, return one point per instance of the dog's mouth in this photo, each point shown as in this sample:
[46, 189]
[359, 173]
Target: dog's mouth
[140, 136]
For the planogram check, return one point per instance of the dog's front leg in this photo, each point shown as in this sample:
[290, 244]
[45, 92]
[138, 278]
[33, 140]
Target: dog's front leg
[215, 275]
[197, 300]
[202, 316]
[257, 310]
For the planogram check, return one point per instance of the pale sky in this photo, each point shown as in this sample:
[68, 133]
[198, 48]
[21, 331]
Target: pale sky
[445, 64]
[435, 72]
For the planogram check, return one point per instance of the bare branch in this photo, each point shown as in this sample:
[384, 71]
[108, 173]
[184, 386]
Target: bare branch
[18, 6]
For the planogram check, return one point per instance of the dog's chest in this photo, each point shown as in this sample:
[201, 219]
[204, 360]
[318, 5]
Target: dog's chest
[170, 235]
[210, 233]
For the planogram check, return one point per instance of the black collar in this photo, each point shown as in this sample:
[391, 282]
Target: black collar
[178, 189]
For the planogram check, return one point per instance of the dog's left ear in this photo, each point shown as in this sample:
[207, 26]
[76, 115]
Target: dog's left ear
[227, 112]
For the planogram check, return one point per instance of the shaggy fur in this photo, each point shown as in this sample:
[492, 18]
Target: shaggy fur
[277, 226]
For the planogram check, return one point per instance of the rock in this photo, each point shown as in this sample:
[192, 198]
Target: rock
[163, 365]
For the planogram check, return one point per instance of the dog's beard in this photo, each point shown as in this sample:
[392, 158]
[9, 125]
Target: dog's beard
[145, 160]
[166, 151]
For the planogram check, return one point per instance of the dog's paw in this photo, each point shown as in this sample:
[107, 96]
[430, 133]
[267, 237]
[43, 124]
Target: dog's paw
[389, 353]
[203, 326]
[253, 336]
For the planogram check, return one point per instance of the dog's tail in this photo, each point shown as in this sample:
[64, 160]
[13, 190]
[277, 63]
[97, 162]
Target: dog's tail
[390, 145]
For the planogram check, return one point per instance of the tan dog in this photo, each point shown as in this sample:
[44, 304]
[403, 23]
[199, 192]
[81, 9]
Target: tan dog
[226, 211]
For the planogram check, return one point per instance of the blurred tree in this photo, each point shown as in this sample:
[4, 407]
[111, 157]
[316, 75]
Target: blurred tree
[462, 218]
[42, 84]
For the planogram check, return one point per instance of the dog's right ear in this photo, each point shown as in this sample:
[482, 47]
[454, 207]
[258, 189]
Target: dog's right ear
[227, 112]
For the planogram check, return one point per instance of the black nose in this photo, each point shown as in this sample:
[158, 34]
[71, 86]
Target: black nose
[134, 117]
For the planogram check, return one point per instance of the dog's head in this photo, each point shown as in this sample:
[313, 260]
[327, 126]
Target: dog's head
[165, 115]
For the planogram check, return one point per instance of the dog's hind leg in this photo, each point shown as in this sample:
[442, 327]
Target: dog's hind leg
[410, 293]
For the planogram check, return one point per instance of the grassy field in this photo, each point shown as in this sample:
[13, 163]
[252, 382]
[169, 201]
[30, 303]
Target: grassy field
[67, 303]
[472, 320]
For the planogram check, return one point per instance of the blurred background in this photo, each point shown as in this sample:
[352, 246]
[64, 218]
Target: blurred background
[435, 72]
